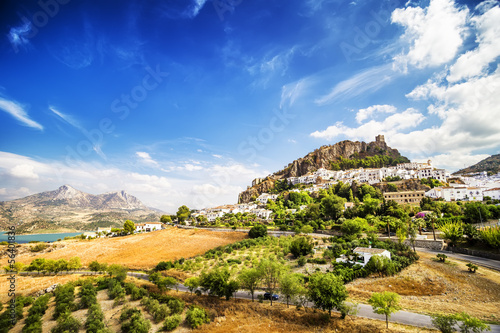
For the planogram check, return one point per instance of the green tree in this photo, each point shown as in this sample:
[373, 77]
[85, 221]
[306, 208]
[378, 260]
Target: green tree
[74, 263]
[249, 280]
[385, 303]
[192, 283]
[354, 227]
[118, 271]
[290, 286]
[259, 230]
[217, 282]
[196, 316]
[165, 219]
[332, 206]
[162, 282]
[327, 291]
[444, 323]
[129, 227]
[183, 213]
[271, 271]
[453, 232]
[66, 323]
[301, 246]
[469, 324]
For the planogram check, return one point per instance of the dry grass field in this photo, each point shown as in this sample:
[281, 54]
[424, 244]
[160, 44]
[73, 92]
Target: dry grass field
[27, 285]
[429, 286]
[141, 251]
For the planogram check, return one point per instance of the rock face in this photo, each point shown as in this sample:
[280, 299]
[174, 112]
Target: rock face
[323, 158]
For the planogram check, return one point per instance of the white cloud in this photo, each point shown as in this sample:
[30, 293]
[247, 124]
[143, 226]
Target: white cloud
[19, 36]
[476, 62]
[24, 171]
[146, 158]
[407, 119]
[217, 156]
[67, 118]
[364, 114]
[18, 112]
[434, 34]
[369, 80]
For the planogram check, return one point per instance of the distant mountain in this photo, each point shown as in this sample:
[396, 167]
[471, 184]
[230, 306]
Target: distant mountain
[490, 164]
[340, 156]
[69, 208]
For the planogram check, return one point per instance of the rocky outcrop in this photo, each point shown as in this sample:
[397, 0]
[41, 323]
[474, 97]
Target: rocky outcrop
[404, 185]
[323, 157]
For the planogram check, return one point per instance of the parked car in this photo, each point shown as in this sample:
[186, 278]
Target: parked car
[268, 296]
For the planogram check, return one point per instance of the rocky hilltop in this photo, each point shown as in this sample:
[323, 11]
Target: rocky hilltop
[340, 156]
[69, 208]
[490, 164]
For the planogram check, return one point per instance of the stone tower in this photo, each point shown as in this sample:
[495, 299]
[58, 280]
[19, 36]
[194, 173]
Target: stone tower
[380, 139]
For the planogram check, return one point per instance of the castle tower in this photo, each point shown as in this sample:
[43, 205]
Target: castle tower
[380, 139]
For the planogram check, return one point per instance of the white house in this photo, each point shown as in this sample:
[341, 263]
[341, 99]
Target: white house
[148, 226]
[364, 255]
[493, 193]
[266, 196]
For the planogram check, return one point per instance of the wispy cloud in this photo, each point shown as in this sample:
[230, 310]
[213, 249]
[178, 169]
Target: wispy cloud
[17, 111]
[146, 158]
[19, 36]
[67, 118]
[370, 80]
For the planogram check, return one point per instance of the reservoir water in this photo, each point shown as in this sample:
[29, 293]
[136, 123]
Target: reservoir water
[39, 237]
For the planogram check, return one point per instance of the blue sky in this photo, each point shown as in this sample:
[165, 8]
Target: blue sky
[186, 101]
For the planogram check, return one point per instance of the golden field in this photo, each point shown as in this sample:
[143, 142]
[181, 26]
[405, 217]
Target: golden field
[140, 251]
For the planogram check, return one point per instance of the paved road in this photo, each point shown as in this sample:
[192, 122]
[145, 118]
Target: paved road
[489, 263]
[365, 311]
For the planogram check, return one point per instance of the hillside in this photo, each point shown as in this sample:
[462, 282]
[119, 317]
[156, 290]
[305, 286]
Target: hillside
[490, 164]
[340, 156]
[70, 209]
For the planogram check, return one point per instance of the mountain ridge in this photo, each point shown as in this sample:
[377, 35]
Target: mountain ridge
[489, 164]
[68, 207]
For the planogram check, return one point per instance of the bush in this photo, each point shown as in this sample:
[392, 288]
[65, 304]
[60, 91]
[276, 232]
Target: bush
[171, 322]
[66, 323]
[301, 246]
[65, 296]
[88, 295]
[319, 261]
[136, 324]
[235, 261]
[257, 231]
[302, 261]
[95, 320]
[38, 247]
[442, 257]
[196, 316]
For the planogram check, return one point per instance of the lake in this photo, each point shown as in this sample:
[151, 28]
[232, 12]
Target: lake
[39, 237]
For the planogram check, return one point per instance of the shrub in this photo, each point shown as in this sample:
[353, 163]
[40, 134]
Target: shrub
[301, 262]
[66, 323]
[442, 257]
[235, 261]
[319, 261]
[301, 246]
[136, 324]
[95, 320]
[171, 322]
[38, 247]
[257, 231]
[176, 305]
[65, 296]
[88, 295]
[196, 316]
[472, 267]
